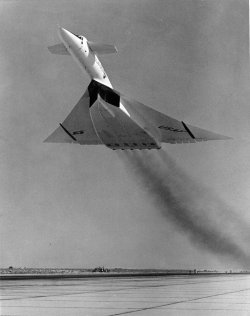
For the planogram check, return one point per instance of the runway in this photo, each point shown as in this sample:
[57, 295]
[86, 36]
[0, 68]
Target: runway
[157, 296]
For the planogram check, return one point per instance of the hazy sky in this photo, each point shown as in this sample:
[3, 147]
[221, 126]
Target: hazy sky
[77, 206]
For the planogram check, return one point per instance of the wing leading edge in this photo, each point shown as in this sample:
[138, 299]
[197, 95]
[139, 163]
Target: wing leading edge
[77, 127]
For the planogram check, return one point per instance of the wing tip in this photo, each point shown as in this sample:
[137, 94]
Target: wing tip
[204, 135]
[60, 135]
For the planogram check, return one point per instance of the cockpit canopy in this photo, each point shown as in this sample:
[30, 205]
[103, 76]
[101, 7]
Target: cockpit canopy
[81, 37]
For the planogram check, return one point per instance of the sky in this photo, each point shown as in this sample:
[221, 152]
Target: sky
[64, 205]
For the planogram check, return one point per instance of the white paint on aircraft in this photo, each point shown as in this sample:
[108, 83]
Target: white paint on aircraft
[85, 57]
[105, 116]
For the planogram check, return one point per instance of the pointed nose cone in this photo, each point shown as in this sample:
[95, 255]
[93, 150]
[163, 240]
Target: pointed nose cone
[64, 34]
[69, 39]
[60, 30]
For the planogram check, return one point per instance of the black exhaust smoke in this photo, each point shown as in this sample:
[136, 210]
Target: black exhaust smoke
[194, 209]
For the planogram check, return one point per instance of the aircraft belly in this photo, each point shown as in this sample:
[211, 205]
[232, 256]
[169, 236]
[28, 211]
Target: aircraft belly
[117, 130]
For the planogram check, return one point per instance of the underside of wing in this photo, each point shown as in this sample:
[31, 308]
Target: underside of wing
[101, 49]
[58, 49]
[77, 127]
[172, 130]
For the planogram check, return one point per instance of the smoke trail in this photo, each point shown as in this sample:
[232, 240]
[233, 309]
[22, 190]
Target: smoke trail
[215, 207]
[175, 194]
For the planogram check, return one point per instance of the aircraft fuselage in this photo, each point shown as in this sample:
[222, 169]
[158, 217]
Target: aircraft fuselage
[104, 116]
[82, 54]
[116, 126]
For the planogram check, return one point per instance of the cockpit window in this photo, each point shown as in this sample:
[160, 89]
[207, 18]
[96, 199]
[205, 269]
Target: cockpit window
[79, 36]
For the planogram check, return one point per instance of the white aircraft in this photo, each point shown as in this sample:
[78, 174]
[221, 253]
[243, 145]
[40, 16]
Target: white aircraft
[104, 116]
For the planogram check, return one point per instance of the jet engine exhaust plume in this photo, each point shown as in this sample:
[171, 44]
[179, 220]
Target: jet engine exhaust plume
[216, 208]
[100, 117]
[182, 201]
